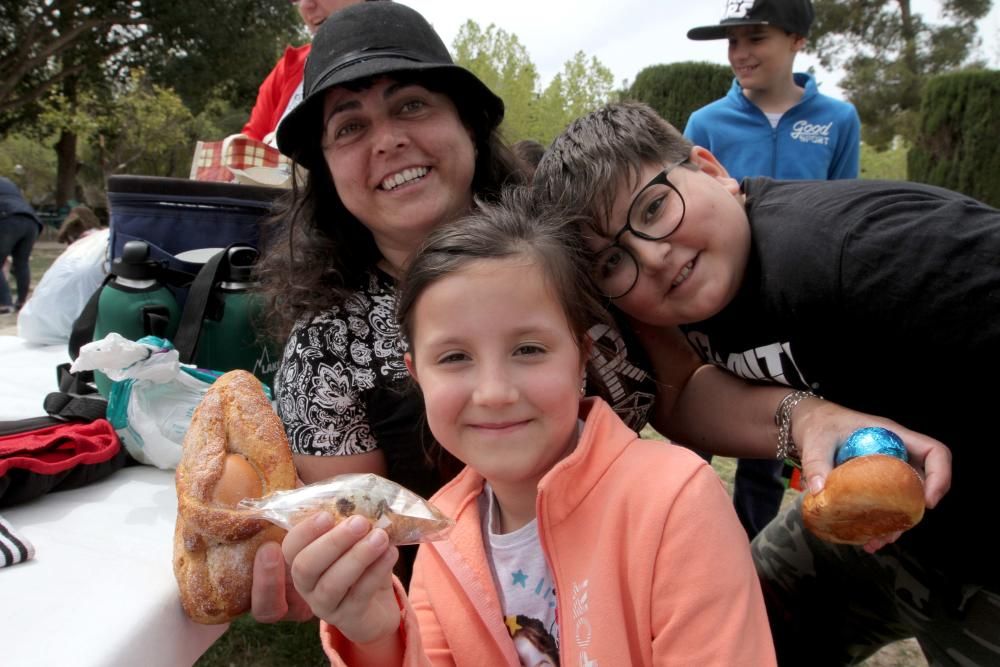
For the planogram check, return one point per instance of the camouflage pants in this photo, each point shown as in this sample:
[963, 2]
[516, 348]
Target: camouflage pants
[832, 604]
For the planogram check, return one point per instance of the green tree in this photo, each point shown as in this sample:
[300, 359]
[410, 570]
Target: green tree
[956, 143]
[678, 89]
[500, 60]
[198, 47]
[582, 86]
[145, 130]
[56, 55]
[887, 52]
[31, 164]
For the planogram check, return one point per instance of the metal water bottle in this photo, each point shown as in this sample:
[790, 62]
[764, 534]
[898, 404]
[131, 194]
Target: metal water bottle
[222, 316]
[134, 302]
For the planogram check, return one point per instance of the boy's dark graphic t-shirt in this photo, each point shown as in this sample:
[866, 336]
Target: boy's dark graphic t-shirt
[883, 297]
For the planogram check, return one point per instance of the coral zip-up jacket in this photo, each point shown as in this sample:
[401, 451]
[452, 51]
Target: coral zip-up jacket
[650, 564]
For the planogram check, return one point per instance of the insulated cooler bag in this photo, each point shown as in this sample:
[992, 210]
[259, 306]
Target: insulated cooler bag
[174, 215]
[153, 221]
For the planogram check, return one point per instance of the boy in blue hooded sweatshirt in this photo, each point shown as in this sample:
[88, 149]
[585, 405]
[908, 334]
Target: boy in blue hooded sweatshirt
[774, 122]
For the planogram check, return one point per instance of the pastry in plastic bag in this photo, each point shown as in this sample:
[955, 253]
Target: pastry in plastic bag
[405, 516]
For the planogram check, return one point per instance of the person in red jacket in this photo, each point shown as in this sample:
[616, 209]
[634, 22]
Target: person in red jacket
[613, 549]
[282, 89]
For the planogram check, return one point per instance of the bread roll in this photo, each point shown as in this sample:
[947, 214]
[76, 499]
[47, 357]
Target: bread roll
[235, 447]
[864, 498]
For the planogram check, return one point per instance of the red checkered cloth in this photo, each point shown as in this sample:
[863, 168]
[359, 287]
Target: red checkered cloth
[242, 152]
[215, 160]
[207, 163]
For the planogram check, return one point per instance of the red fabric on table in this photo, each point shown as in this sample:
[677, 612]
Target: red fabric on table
[56, 448]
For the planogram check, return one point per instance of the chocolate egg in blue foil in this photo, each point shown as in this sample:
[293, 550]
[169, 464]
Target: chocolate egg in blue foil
[871, 440]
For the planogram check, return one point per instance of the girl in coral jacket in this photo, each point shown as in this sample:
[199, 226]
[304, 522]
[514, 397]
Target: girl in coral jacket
[575, 542]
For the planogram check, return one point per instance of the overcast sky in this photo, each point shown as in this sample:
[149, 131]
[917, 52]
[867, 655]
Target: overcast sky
[628, 35]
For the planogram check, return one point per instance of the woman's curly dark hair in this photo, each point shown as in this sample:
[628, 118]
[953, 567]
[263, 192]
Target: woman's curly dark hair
[316, 253]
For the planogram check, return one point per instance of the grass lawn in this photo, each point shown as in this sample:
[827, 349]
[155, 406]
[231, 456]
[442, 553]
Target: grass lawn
[251, 644]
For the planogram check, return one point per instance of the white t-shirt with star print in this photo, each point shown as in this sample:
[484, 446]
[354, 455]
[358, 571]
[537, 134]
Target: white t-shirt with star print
[525, 586]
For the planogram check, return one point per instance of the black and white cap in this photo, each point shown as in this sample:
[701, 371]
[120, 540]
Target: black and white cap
[790, 15]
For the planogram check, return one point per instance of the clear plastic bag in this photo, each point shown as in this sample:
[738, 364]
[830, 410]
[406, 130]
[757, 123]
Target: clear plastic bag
[153, 396]
[405, 516]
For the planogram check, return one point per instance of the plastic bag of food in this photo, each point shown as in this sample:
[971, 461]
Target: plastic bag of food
[153, 396]
[405, 516]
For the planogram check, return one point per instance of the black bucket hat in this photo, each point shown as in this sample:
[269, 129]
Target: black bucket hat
[790, 15]
[368, 40]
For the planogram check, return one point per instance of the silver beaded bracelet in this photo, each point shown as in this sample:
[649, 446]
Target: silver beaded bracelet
[783, 420]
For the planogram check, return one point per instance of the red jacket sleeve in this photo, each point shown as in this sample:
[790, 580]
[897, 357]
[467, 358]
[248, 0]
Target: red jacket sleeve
[275, 92]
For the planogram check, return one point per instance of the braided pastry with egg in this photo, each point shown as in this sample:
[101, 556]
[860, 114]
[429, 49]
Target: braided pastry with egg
[235, 448]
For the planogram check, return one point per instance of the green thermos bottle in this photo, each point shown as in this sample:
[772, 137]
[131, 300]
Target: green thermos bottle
[134, 303]
[220, 324]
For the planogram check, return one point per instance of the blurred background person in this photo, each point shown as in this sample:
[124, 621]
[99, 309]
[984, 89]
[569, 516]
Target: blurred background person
[19, 228]
[282, 89]
[79, 222]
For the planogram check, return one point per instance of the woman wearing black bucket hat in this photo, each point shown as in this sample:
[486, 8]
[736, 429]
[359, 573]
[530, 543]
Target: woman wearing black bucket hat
[397, 140]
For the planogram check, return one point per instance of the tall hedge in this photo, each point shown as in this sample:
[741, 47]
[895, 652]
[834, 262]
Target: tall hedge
[678, 89]
[956, 145]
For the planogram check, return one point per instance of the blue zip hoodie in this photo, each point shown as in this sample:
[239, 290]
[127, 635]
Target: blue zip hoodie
[818, 138]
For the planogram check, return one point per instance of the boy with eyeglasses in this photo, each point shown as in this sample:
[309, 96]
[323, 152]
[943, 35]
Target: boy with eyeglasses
[883, 297]
[773, 122]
